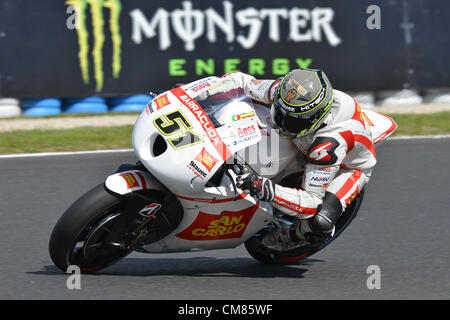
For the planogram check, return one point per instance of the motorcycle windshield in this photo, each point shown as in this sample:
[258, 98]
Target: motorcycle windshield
[217, 105]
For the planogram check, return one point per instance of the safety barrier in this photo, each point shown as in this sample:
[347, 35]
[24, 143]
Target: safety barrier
[42, 107]
[12, 107]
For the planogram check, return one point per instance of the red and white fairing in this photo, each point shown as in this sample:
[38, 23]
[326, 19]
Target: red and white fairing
[212, 218]
[213, 215]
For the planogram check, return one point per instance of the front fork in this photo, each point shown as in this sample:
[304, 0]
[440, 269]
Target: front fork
[133, 184]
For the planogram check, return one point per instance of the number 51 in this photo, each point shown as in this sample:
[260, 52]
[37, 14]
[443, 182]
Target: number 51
[176, 123]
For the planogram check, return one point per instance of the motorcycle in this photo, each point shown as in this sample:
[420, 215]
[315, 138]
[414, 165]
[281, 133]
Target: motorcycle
[181, 194]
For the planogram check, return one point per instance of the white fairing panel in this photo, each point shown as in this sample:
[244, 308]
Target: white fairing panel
[132, 180]
[183, 169]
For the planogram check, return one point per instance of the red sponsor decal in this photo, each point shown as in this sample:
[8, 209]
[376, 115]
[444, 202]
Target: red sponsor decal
[242, 132]
[201, 86]
[205, 121]
[131, 181]
[227, 225]
[207, 160]
[161, 102]
[320, 153]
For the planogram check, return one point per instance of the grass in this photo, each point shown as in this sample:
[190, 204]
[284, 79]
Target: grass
[76, 139]
[96, 138]
[422, 124]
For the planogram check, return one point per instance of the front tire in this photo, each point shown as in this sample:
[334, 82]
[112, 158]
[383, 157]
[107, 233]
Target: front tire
[73, 240]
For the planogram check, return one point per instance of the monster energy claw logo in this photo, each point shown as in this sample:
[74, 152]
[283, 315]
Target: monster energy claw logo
[96, 6]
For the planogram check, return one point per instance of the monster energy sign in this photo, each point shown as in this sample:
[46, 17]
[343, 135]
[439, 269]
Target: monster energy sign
[117, 47]
[80, 8]
[190, 24]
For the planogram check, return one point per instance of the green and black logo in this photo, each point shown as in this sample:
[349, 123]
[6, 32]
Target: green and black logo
[81, 8]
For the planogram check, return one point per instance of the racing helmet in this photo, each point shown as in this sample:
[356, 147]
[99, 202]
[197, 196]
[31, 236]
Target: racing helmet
[301, 101]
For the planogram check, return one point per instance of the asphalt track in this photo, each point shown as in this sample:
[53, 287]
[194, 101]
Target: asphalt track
[402, 227]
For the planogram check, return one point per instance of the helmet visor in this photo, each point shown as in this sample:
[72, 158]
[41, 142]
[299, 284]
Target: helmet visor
[289, 124]
[292, 125]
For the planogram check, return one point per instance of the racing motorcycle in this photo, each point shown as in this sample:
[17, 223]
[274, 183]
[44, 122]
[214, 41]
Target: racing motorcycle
[181, 194]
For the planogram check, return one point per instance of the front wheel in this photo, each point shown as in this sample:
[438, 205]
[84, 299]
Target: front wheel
[269, 256]
[79, 237]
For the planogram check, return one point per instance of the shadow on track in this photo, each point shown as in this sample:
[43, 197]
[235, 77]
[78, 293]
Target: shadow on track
[196, 267]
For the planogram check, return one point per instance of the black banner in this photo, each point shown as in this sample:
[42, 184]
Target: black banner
[121, 47]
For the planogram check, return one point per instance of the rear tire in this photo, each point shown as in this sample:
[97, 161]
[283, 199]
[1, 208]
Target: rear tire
[269, 256]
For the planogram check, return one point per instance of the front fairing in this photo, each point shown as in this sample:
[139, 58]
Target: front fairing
[184, 142]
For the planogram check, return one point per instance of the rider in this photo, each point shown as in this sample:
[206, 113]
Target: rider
[329, 128]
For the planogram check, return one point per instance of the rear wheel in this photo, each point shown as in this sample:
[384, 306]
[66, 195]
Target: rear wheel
[266, 255]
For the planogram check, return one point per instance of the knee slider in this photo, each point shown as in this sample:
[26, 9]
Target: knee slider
[330, 212]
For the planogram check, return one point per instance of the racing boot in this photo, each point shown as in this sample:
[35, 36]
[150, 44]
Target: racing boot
[322, 225]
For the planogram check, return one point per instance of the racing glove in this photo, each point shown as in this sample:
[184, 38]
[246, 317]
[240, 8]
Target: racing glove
[259, 187]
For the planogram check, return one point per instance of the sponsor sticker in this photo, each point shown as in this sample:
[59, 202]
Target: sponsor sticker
[149, 108]
[131, 180]
[206, 159]
[201, 86]
[320, 152]
[161, 101]
[227, 225]
[147, 211]
[243, 116]
[199, 172]
[245, 134]
[320, 179]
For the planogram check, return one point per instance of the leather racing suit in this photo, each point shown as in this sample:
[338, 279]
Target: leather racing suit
[340, 154]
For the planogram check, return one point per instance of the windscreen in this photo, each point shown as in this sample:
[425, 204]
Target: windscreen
[214, 103]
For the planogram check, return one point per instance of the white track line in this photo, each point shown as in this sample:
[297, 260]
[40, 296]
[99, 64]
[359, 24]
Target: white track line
[49, 154]
[441, 136]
